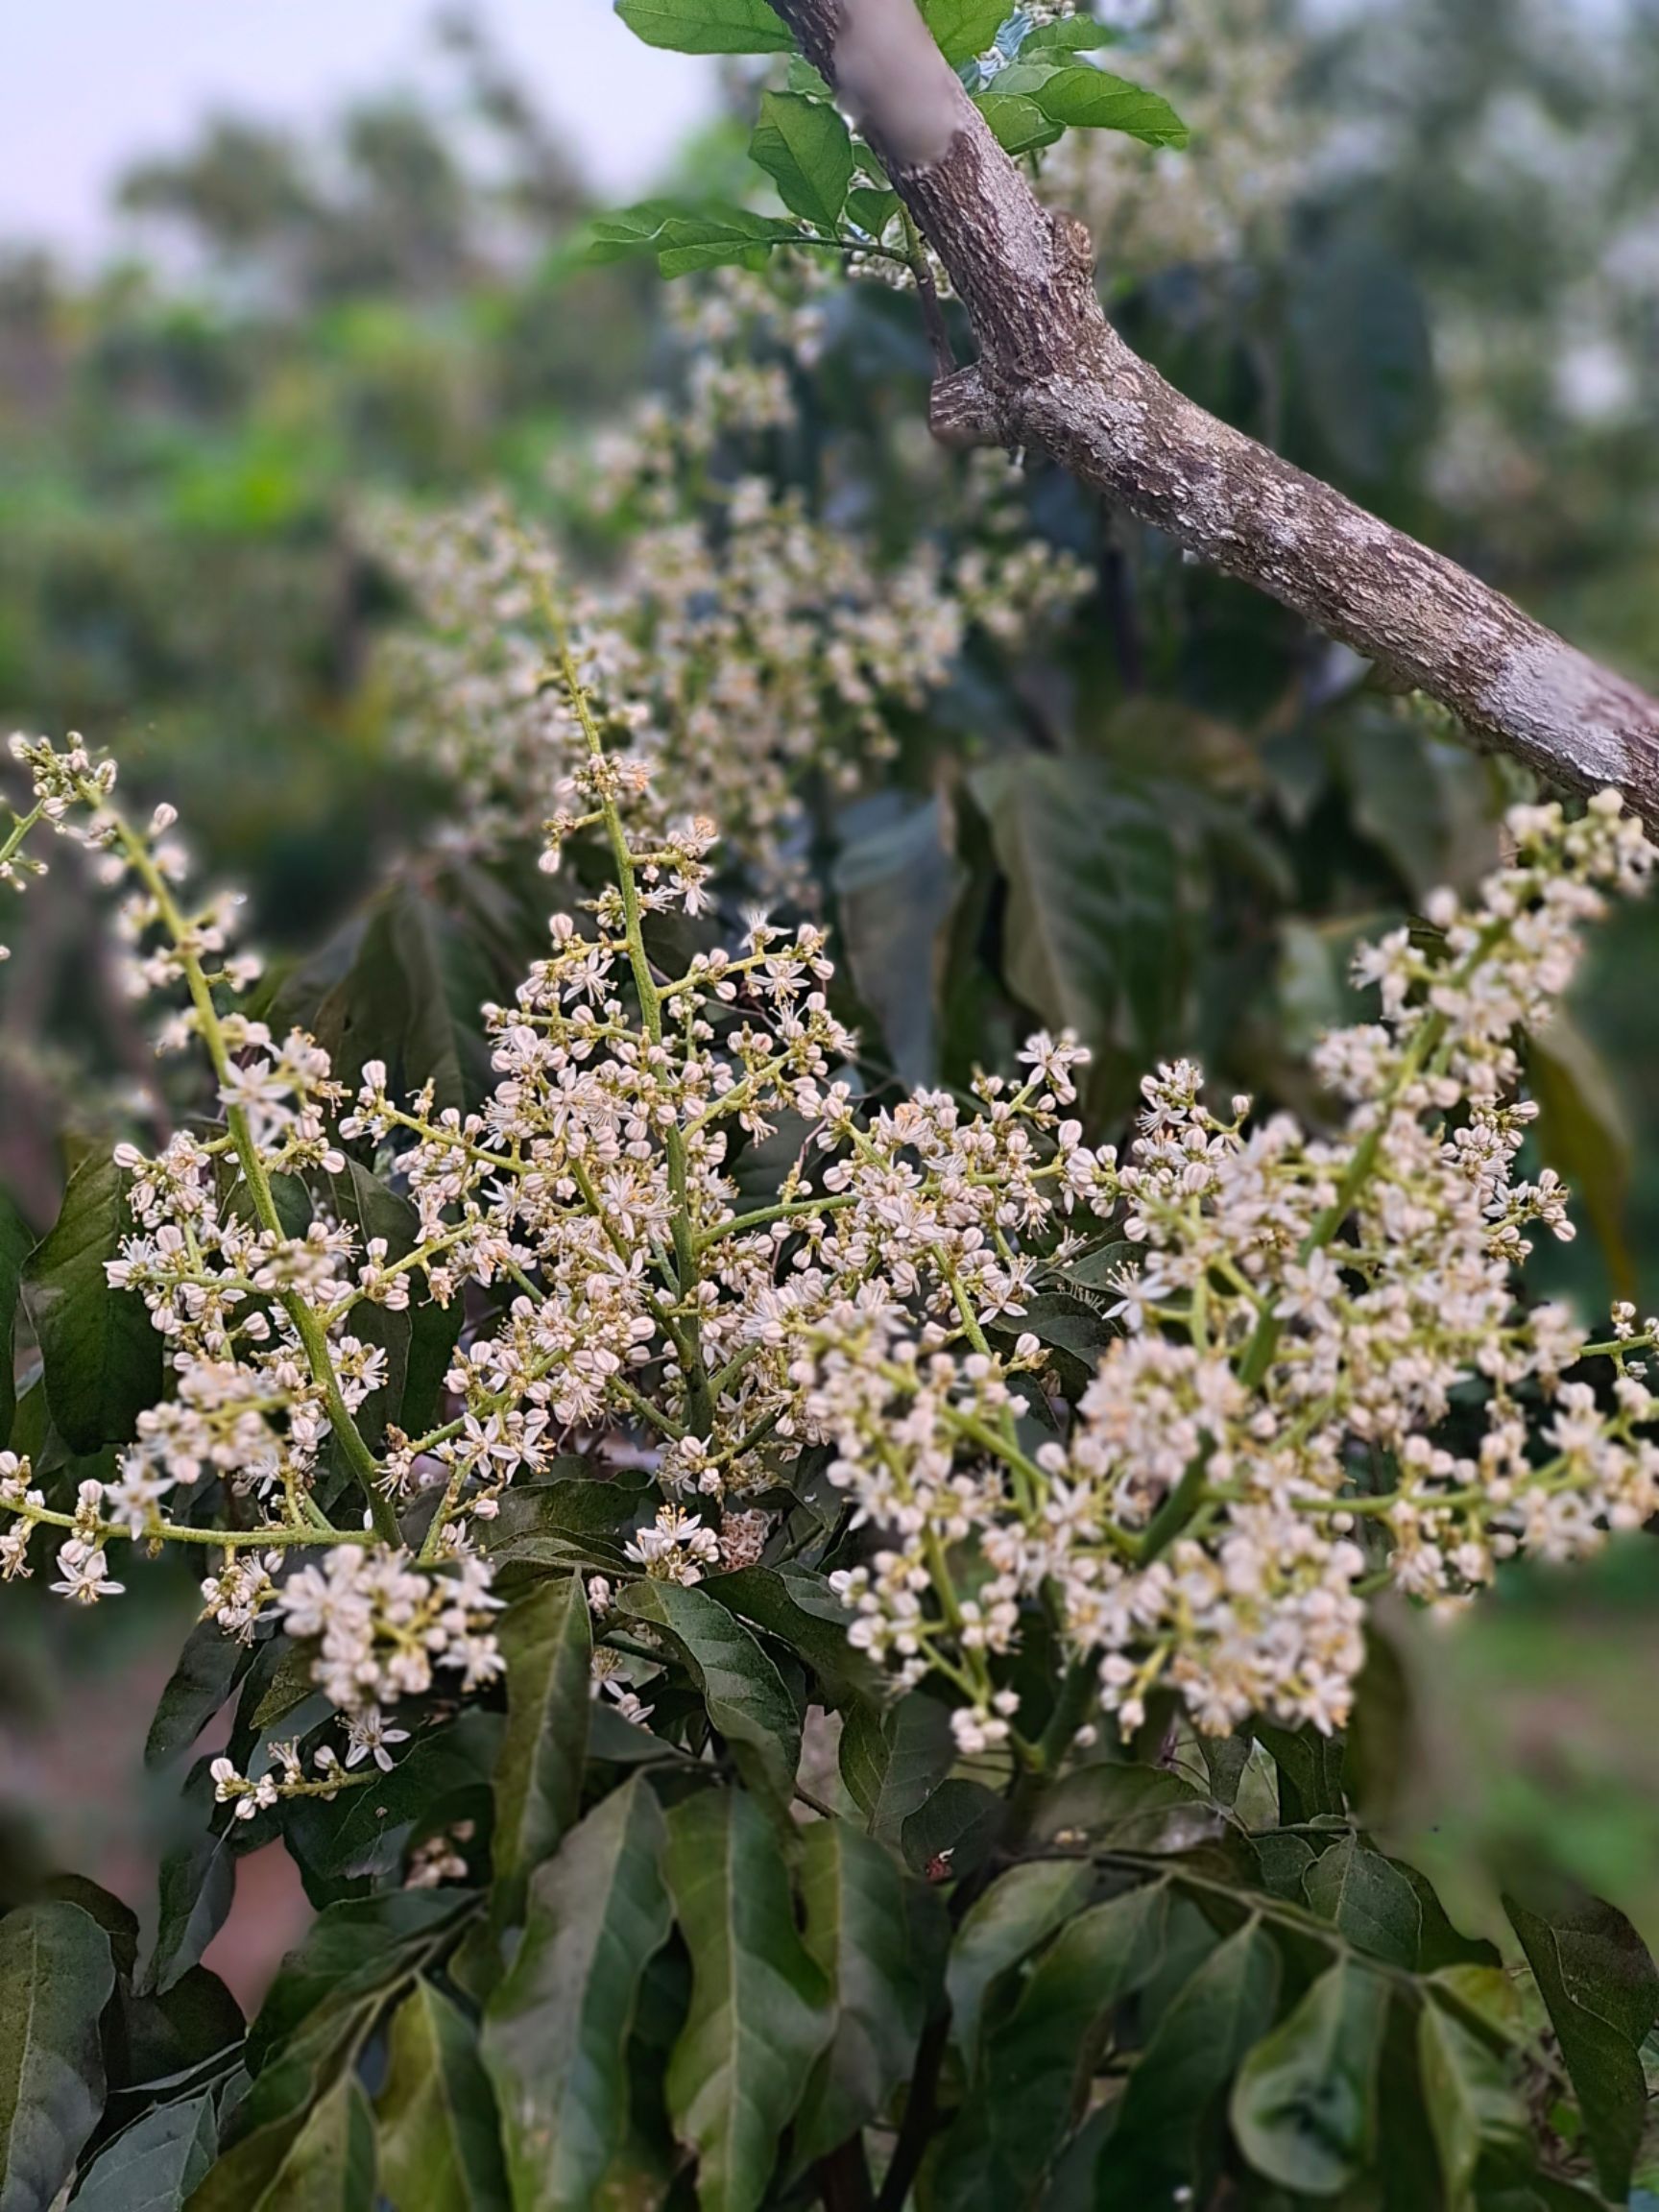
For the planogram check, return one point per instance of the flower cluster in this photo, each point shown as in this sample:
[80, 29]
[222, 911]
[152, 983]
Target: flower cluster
[747, 643]
[1312, 1374]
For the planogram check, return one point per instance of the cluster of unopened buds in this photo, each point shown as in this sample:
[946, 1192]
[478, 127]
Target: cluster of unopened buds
[1278, 1315]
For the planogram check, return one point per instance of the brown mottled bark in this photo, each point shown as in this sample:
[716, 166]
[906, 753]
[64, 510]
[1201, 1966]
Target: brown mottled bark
[1053, 373]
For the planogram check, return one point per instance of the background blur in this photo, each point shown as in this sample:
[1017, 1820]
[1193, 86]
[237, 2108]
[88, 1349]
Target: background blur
[259, 267]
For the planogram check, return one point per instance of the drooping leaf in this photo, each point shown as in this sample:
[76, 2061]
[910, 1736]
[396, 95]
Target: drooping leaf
[1585, 1137]
[1091, 940]
[1168, 2136]
[892, 1761]
[356, 1951]
[1368, 1898]
[56, 1977]
[1601, 1991]
[706, 26]
[556, 2030]
[153, 2165]
[858, 1928]
[806, 150]
[16, 1241]
[440, 2147]
[549, 1645]
[101, 1357]
[328, 2167]
[742, 1691]
[964, 28]
[1304, 2106]
[761, 2011]
[1036, 2063]
[210, 1667]
[1002, 1927]
[1472, 2106]
[895, 886]
[195, 1887]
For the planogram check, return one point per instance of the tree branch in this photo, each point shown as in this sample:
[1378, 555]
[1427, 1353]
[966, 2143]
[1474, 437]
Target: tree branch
[1053, 374]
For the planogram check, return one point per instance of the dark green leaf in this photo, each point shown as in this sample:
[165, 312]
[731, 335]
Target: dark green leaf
[548, 1645]
[1370, 1900]
[1309, 1771]
[895, 887]
[892, 1761]
[964, 28]
[1472, 2106]
[1168, 2136]
[743, 1691]
[196, 1885]
[56, 1977]
[1000, 1928]
[1601, 1991]
[800, 1608]
[440, 2150]
[858, 1927]
[15, 1240]
[1585, 1134]
[1036, 2062]
[1124, 1808]
[556, 2031]
[210, 1668]
[1089, 99]
[955, 1831]
[761, 2009]
[362, 1835]
[101, 1357]
[706, 26]
[806, 150]
[1304, 2106]
[153, 2165]
[329, 2167]
[355, 1952]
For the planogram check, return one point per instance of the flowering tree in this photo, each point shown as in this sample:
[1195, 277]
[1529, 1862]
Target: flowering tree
[798, 1627]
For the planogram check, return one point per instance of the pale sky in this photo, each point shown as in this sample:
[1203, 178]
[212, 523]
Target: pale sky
[85, 84]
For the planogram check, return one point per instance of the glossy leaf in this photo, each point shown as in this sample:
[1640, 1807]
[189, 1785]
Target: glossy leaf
[56, 1977]
[1601, 1991]
[964, 28]
[1303, 2105]
[800, 1608]
[556, 2030]
[1015, 122]
[760, 2010]
[439, 2149]
[1002, 1927]
[1167, 2139]
[101, 1357]
[1036, 2064]
[1085, 97]
[858, 1927]
[549, 1645]
[806, 150]
[706, 26]
[742, 1691]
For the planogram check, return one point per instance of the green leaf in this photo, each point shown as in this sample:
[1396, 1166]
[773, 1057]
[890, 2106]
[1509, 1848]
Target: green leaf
[706, 26]
[1017, 122]
[548, 1645]
[964, 28]
[742, 1691]
[195, 1887]
[761, 2009]
[1474, 2110]
[444, 1775]
[1084, 98]
[102, 1358]
[1304, 2106]
[957, 1828]
[56, 1977]
[1092, 938]
[1004, 1926]
[894, 889]
[799, 1607]
[1073, 34]
[1370, 1900]
[1168, 2136]
[15, 1240]
[440, 2151]
[210, 1667]
[1585, 1134]
[871, 210]
[556, 2030]
[858, 1927]
[1037, 2060]
[892, 1761]
[330, 2166]
[355, 1952]
[1601, 1991]
[806, 150]
[1126, 1808]
[738, 239]
[153, 2165]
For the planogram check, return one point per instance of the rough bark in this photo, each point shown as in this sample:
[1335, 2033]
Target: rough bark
[1053, 374]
